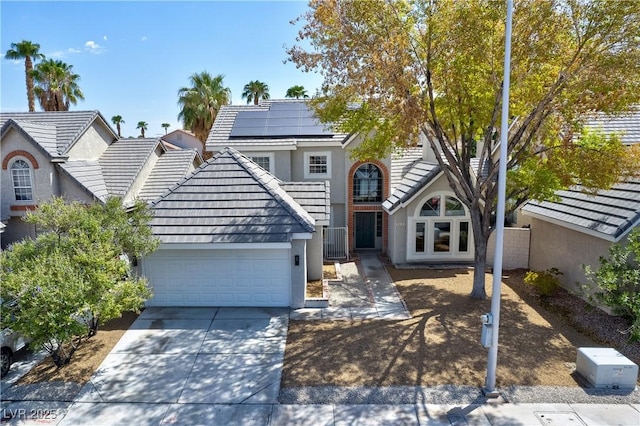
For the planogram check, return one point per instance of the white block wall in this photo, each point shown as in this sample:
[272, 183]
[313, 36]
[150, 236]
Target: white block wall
[516, 248]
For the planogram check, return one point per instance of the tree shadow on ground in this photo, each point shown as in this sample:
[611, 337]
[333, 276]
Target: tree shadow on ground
[439, 345]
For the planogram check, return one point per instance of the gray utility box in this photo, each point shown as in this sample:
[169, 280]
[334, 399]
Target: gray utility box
[606, 368]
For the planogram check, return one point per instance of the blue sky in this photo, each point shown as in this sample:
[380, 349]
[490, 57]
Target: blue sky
[133, 57]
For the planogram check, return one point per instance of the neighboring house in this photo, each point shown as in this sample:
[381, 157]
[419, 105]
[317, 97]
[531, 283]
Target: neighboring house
[285, 138]
[78, 156]
[182, 139]
[580, 228]
[234, 235]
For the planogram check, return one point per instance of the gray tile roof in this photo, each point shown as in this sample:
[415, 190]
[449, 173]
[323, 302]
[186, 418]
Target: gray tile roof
[44, 135]
[401, 163]
[170, 169]
[89, 175]
[419, 174]
[219, 136]
[123, 160]
[229, 199]
[610, 214]
[69, 125]
[314, 197]
[627, 125]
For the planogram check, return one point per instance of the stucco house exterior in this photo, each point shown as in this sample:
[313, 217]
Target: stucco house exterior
[579, 228]
[285, 138]
[232, 234]
[182, 139]
[78, 156]
[380, 203]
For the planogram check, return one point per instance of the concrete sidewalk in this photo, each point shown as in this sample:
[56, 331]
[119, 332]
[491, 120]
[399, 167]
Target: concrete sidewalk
[490, 414]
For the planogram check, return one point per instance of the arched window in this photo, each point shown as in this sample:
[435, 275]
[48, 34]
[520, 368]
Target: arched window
[21, 177]
[367, 184]
[440, 228]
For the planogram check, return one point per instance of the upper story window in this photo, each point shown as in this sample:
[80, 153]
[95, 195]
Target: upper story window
[317, 165]
[367, 184]
[21, 177]
[264, 160]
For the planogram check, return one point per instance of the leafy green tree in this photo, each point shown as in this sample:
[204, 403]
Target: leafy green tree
[142, 125]
[200, 103]
[56, 85]
[118, 121]
[297, 92]
[165, 126]
[254, 91]
[434, 69]
[29, 52]
[616, 283]
[75, 275]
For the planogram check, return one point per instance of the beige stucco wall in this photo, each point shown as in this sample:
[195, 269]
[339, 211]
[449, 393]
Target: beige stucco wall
[72, 191]
[44, 179]
[298, 275]
[141, 178]
[315, 255]
[93, 142]
[554, 246]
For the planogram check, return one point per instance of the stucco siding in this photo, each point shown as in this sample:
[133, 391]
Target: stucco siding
[43, 178]
[72, 191]
[554, 246]
[314, 255]
[397, 250]
[91, 144]
[15, 231]
[141, 178]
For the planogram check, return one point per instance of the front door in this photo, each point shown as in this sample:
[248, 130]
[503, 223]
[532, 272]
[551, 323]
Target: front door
[366, 230]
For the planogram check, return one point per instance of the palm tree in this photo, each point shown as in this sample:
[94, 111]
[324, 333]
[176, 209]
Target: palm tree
[142, 125]
[296, 92]
[56, 85]
[28, 51]
[201, 102]
[166, 126]
[255, 90]
[117, 120]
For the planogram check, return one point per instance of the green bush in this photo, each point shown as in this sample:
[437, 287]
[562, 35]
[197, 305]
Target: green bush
[545, 282]
[616, 283]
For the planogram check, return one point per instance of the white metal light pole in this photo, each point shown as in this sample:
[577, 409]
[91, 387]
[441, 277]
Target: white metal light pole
[492, 360]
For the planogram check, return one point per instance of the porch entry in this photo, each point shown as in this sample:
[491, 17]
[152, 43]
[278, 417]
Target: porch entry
[365, 224]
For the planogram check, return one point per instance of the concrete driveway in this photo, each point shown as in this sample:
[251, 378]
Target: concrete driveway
[186, 357]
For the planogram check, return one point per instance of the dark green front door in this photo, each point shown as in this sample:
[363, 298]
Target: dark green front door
[366, 230]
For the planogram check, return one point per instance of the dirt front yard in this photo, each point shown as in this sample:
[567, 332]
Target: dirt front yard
[440, 344]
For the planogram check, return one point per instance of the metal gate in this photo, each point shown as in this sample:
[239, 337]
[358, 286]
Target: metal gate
[335, 243]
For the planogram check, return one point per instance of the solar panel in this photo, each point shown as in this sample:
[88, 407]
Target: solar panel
[283, 119]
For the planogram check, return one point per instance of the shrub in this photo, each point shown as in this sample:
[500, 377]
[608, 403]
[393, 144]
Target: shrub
[616, 283]
[545, 282]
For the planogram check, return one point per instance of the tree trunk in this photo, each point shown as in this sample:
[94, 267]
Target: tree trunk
[481, 232]
[28, 66]
[479, 265]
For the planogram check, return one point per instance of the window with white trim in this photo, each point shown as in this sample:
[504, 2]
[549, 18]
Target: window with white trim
[21, 178]
[262, 159]
[317, 165]
[440, 228]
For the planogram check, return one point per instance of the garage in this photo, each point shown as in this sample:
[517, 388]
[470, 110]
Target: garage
[222, 277]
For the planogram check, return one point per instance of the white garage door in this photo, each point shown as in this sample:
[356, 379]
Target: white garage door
[219, 277]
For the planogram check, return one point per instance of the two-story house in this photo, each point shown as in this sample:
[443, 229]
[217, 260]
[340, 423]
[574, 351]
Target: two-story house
[78, 156]
[285, 138]
[400, 205]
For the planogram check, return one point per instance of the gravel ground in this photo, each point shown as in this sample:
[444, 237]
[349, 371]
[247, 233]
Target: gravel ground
[452, 395]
